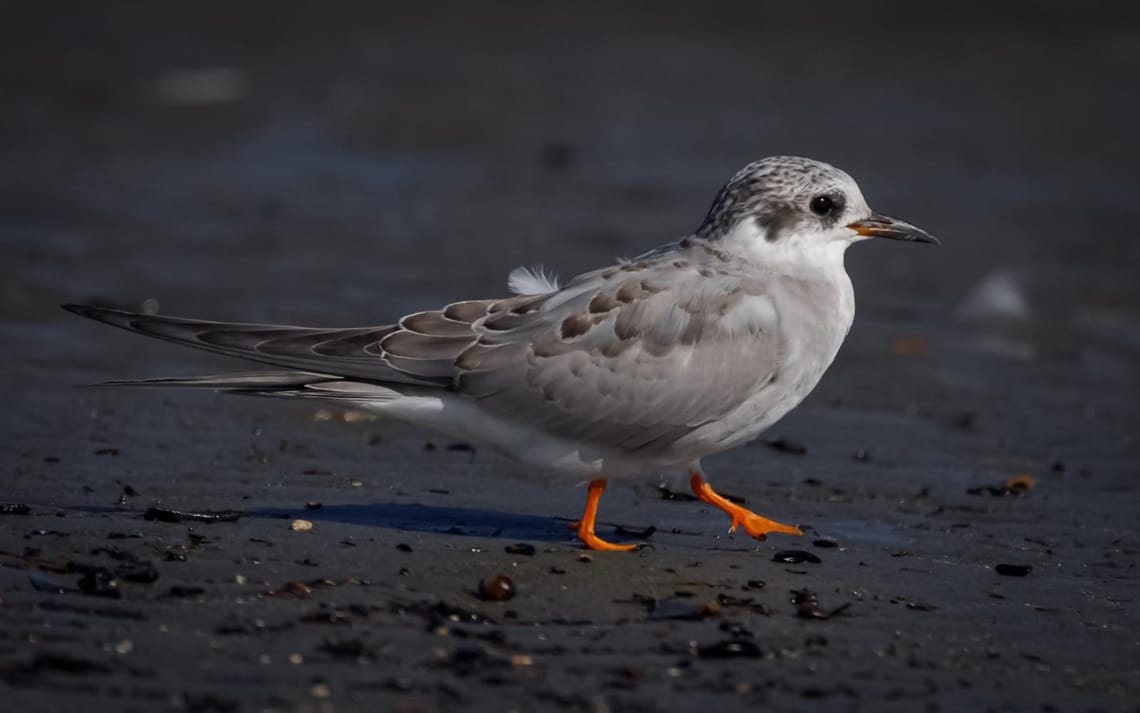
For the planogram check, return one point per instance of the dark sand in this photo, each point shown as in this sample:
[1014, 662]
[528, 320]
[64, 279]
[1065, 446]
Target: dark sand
[345, 169]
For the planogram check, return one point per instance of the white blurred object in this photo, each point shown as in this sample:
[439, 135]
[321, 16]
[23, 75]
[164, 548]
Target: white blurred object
[997, 297]
[200, 86]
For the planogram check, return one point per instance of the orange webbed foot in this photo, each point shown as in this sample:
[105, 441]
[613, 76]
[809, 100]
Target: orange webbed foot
[754, 525]
[585, 526]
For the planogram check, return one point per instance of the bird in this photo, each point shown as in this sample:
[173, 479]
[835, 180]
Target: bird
[647, 364]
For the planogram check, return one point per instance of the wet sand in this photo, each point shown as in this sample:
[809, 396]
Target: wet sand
[344, 169]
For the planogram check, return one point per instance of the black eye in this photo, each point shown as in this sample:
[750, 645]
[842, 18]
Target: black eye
[822, 205]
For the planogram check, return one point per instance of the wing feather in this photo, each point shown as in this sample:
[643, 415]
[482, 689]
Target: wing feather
[628, 359]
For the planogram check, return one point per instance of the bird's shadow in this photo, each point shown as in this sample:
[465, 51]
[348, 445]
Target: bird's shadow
[412, 517]
[409, 517]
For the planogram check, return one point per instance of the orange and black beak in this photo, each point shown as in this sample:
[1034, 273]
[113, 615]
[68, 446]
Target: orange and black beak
[884, 226]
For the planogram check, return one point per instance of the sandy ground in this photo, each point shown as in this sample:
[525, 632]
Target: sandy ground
[344, 168]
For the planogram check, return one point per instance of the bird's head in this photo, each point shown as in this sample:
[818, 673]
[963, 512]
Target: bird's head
[790, 202]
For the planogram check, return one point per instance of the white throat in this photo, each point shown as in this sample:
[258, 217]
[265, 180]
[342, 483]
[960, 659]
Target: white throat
[793, 252]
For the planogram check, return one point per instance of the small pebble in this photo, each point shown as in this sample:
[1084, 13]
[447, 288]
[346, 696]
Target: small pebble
[499, 588]
[795, 557]
[301, 526]
[1013, 570]
[321, 691]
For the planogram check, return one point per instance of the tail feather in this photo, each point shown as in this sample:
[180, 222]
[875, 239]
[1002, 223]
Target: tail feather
[351, 353]
[223, 382]
[289, 384]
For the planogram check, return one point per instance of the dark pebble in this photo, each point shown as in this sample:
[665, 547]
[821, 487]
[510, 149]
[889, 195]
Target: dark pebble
[499, 588]
[729, 650]
[100, 583]
[795, 557]
[520, 548]
[825, 542]
[1013, 570]
[404, 547]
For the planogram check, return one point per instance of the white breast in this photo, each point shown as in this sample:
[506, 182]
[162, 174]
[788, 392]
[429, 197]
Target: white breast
[814, 304]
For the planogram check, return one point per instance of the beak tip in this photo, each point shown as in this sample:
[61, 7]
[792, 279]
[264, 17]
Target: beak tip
[882, 226]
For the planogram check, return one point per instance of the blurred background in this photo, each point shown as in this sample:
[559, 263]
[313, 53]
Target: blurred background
[346, 164]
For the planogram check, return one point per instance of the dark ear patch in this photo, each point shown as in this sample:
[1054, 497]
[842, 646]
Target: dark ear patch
[776, 222]
[838, 205]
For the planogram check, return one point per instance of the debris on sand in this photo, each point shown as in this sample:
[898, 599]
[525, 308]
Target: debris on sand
[98, 582]
[168, 515]
[1013, 570]
[1017, 485]
[796, 557]
[301, 526]
[300, 589]
[729, 650]
[808, 607]
[14, 509]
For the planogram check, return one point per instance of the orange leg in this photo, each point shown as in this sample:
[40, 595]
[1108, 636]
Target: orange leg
[585, 526]
[753, 524]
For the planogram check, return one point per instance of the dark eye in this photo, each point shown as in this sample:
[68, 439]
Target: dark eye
[822, 205]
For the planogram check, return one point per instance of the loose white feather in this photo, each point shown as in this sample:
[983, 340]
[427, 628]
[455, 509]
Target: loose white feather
[532, 281]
